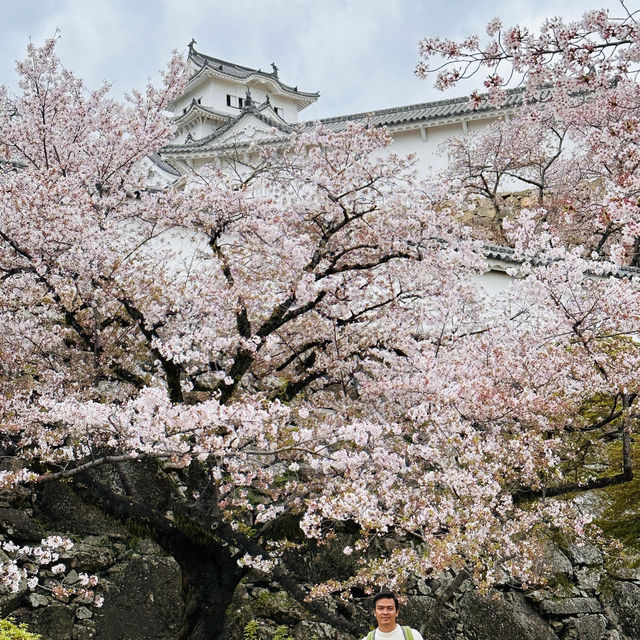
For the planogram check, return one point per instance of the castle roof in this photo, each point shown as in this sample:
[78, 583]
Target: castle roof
[195, 109]
[436, 112]
[164, 166]
[262, 113]
[507, 256]
[409, 116]
[205, 66]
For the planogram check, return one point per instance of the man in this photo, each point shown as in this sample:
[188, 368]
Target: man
[386, 608]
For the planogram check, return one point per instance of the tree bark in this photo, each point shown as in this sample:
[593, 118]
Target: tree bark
[208, 584]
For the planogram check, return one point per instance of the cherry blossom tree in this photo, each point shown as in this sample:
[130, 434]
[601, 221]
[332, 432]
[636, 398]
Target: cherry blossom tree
[575, 141]
[215, 338]
[303, 341]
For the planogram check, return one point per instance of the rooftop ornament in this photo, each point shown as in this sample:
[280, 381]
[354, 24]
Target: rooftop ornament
[248, 101]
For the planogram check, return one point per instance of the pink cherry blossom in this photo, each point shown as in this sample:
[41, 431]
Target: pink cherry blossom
[304, 340]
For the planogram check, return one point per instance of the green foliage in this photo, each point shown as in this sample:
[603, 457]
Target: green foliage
[598, 453]
[282, 633]
[595, 451]
[11, 631]
[620, 519]
[561, 586]
[251, 630]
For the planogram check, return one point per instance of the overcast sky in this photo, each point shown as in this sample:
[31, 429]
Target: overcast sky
[359, 54]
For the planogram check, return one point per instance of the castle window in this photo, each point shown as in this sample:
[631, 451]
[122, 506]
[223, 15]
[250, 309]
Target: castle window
[232, 101]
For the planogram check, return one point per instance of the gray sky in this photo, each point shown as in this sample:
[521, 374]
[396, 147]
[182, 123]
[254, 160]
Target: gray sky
[359, 54]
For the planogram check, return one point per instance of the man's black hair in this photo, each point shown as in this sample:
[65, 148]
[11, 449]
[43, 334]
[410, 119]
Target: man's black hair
[386, 594]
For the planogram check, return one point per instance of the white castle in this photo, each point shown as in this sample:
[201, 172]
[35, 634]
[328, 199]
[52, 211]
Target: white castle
[227, 106]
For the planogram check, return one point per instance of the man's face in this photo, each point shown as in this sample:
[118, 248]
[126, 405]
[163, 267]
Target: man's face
[386, 614]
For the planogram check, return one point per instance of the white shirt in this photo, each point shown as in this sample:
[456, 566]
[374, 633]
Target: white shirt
[395, 634]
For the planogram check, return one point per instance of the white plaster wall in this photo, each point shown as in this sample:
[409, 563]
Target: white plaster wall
[215, 96]
[429, 145]
[494, 282]
[429, 157]
[214, 93]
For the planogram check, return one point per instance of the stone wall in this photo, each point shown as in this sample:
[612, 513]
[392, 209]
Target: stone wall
[584, 601]
[588, 597]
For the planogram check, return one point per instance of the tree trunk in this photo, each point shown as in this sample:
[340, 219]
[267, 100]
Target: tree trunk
[208, 585]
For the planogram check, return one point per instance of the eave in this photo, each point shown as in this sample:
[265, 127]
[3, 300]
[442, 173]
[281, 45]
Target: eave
[204, 147]
[436, 113]
[215, 68]
[195, 111]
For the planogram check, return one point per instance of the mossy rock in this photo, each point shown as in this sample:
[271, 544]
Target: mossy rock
[435, 621]
[149, 587]
[623, 598]
[60, 509]
[52, 623]
[276, 606]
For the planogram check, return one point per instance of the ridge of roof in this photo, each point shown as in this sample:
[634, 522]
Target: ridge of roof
[256, 112]
[267, 105]
[194, 105]
[157, 159]
[423, 110]
[235, 70]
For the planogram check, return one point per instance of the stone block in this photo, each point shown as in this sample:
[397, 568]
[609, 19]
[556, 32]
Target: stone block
[149, 587]
[53, 623]
[555, 563]
[83, 613]
[622, 601]
[19, 526]
[318, 630]
[432, 619]
[508, 618]
[570, 606]
[584, 554]
[588, 578]
[38, 600]
[620, 571]
[590, 627]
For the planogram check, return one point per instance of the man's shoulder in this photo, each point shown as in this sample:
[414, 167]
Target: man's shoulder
[414, 633]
